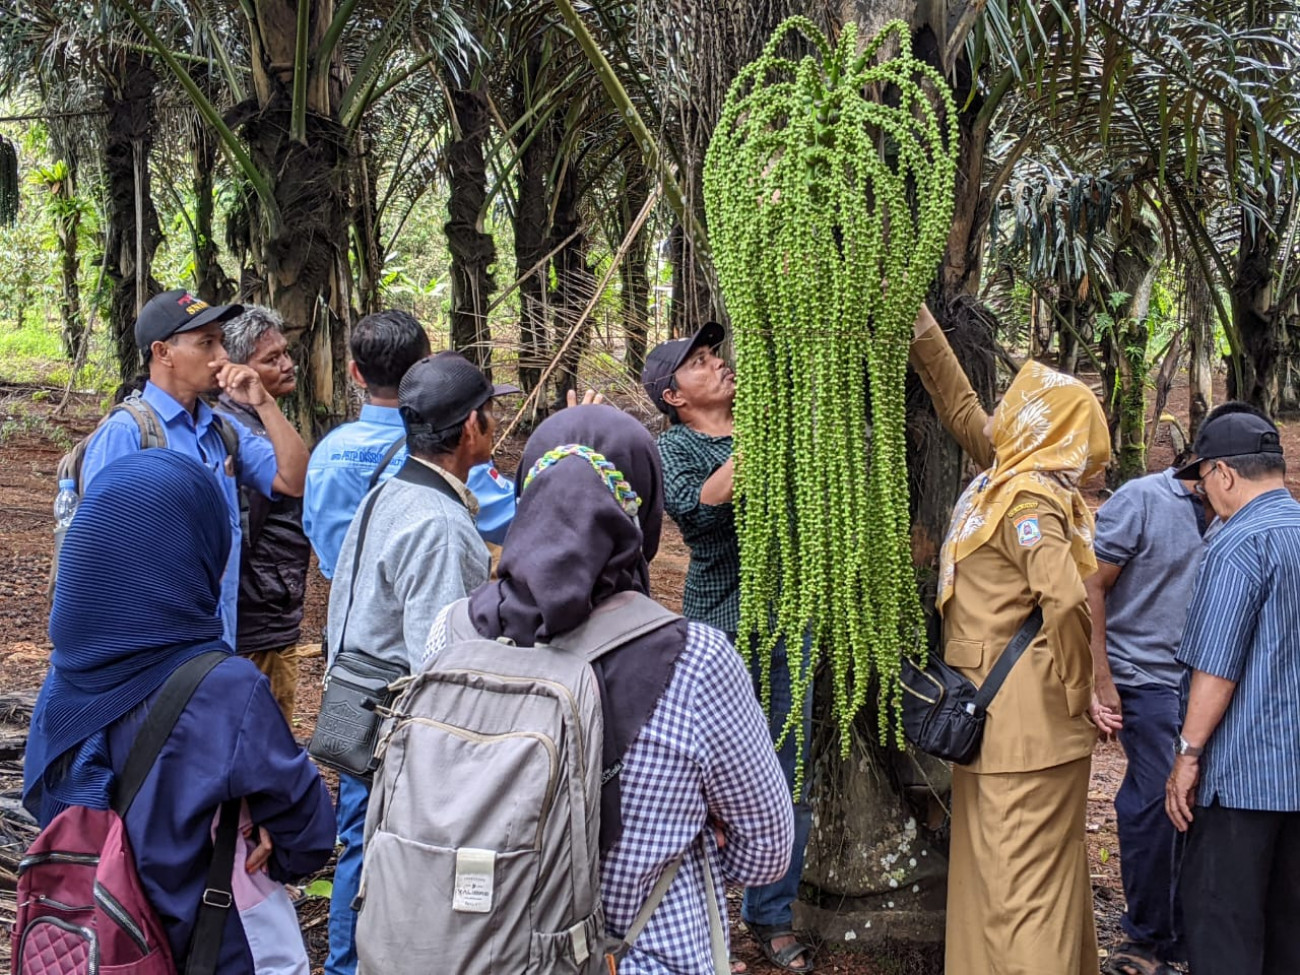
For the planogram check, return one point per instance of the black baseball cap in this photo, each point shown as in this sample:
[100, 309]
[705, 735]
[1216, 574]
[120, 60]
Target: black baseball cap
[665, 359]
[1229, 435]
[441, 391]
[173, 312]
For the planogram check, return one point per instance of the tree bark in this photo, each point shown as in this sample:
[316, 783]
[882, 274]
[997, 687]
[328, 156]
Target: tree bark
[574, 282]
[634, 271]
[1201, 347]
[1135, 265]
[1254, 314]
[132, 236]
[210, 280]
[472, 251]
[531, 231]
[302, 264]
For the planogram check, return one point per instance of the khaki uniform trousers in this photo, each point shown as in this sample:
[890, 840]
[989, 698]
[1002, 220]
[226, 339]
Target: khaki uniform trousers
[1019, 896]
[281, 669]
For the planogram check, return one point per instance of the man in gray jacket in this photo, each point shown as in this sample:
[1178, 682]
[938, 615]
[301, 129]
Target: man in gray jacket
[419, 552]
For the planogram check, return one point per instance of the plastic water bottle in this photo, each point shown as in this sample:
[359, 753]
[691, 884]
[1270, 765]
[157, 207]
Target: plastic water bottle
[65, 503]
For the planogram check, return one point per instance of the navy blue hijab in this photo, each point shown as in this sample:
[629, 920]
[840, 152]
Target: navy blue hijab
[138, 593]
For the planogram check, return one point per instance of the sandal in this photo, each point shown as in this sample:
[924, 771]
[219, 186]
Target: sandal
[1131, 958]
[783, 959]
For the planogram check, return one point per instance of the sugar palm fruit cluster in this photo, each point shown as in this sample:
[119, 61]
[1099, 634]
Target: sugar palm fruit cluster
[829, 192]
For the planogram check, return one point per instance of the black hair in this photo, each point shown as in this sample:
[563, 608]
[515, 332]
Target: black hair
[386, 344]
[1237, 406]
[1255, 467]
[131, 387]
[437, 442]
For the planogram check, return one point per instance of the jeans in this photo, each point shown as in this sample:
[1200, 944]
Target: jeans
[354, 797]
[1149, 846]
[772, 905]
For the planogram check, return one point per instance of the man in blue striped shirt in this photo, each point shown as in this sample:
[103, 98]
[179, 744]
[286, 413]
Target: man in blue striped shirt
[1236, 778]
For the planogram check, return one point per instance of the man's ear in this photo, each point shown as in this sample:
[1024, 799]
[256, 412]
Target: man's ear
[355, 373]
[674, 398]
[161, 352]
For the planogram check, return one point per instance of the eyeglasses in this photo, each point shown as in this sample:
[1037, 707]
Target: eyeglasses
[1199, 486]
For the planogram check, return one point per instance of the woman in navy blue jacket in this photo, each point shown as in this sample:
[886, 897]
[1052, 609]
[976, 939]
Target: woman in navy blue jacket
[138, 594]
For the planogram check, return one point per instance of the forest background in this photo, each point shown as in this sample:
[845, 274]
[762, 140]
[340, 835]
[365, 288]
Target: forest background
[525, 176]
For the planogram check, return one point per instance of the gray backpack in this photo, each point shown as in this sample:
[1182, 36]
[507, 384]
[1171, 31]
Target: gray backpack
[481, 844]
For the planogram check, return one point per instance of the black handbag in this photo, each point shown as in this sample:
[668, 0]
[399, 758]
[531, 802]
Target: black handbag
[358, 687]
[943, 712]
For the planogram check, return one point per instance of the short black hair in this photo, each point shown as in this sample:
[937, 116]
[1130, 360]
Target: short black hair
[1254, 467]
[439, 441]
[1237, 406]
[386, 344]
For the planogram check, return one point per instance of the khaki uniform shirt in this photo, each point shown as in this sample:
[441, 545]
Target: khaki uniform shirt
[1038, 719]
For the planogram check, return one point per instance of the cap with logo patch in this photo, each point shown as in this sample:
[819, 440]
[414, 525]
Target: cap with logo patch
[667, 357]
[173, 312]
[441, 391]
[1231, 435]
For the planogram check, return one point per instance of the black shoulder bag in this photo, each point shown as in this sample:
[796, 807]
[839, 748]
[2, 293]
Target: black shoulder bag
[355, 685]
[943, 712]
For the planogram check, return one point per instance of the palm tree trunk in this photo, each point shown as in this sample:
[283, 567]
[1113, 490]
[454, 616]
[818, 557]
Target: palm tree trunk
[574, 282]
[634, 271]
[1201, 350]
[210, 281]
[1252, 310]
[472, 250]
[132, 235]
[531, 230]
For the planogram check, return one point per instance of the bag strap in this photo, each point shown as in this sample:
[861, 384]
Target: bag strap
[158, 724]
[387, 459]
[210, 925]
[717, 934]
[1019, 643]
[229, 438]
[356, 560]
[642, 918]
[619, 620]
[152, 434]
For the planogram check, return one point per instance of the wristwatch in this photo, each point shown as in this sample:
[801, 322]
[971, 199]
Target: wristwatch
[1181, 747]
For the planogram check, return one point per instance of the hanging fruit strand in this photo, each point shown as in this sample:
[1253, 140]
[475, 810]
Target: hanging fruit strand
[824, 247]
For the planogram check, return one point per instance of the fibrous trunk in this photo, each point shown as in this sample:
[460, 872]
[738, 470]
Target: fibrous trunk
[1253, 311]
[531, 229]
[472, 250]
[634, 271]
[132, 234]
[574, 282]
[1135, 265]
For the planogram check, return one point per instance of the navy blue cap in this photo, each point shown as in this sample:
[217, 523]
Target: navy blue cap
[1230, 435]
[667, 357]
[173, 312]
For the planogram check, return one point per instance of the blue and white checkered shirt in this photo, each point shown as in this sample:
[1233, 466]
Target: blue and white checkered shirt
[705, 757]
[1244, 625]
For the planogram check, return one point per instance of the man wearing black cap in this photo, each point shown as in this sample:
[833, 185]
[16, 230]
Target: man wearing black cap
[696, 390]
[411, 549]
[1235, 785]
[181, 341]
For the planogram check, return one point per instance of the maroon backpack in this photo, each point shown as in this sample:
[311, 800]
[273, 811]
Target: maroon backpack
[81, 906]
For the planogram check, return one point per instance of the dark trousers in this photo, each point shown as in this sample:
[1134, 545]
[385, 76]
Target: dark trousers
[1149, 846]
[1241, 892]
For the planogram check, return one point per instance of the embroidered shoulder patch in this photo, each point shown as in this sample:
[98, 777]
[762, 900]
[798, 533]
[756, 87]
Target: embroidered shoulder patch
[1028, 533]
[1023, 506]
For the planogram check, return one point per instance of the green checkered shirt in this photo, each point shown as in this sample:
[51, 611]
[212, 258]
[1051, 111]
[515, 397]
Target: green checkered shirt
[713, 580]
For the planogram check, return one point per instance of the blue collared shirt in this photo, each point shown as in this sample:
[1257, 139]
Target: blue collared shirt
[194, 436]
[339, 472]
[1244, 626]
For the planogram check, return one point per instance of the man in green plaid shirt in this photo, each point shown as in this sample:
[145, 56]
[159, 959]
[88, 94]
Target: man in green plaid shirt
[696, 390]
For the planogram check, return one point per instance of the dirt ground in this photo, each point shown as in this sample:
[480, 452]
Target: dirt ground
[31, 442]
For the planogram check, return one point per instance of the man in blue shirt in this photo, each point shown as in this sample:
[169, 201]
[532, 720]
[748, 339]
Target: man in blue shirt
[1235, 784]
[181, 341]
[383, 346]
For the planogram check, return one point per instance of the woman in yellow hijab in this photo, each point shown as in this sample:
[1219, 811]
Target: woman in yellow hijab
[1019, 897]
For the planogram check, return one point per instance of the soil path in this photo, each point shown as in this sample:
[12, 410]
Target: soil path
[32, 443]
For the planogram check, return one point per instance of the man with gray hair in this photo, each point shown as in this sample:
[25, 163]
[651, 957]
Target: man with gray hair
[274, 556]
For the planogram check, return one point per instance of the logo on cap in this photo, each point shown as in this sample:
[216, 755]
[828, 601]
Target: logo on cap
[191, 304]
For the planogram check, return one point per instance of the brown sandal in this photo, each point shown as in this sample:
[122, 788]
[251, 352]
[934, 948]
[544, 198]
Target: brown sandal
[1131, 958]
